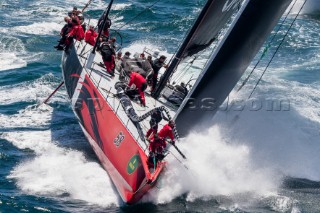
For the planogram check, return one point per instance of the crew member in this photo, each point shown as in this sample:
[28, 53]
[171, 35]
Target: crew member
[90, 36]
[63, 33]
[156, 150]
[76, 32]
[141, 85]
[105, 30]
[182, 88]
[108, 55]
[167, 132]
[156, 66]
[156, 118]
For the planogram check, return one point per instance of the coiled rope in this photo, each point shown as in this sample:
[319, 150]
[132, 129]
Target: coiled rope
[137, 119]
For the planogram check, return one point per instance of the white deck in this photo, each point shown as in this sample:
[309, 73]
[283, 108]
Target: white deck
[105, 84]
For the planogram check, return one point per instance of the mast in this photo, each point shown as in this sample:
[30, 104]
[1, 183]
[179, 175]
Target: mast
[176, 60]
[93, 53]
[103, 25]
[234, 54]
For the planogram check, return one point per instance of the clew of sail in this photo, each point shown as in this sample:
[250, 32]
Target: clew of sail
[246, 35]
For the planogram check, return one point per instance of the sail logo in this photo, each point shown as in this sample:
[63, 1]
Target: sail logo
[229, 4]
[133, 164]
[119, 139]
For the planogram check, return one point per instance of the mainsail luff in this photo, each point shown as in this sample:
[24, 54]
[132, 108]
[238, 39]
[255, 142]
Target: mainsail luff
[212, 18]
[243, 40]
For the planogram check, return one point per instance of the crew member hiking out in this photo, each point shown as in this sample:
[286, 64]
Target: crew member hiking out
[141, 85]
[63, 33]
[156, 118]
[76, 32]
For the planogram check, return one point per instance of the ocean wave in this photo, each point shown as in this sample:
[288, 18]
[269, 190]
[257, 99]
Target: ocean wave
[11, 50]
[41, 28]
[11, 61]
[35, 91]
[56, 171]
[121, 6]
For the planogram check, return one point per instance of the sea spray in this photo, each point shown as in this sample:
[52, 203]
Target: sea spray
[57, 171]
[215, 167]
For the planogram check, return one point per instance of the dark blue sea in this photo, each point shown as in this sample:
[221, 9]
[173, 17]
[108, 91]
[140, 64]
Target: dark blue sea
[260, 155]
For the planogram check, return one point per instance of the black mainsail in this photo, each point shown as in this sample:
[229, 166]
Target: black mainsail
[212, 18]
[246, 35]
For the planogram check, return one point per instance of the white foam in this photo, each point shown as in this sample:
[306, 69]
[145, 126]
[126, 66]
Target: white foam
[283, 141]
[280, 203]
[121, 6]
[40, 28]
[31, 117]
[11, 51]
[32, 91]
[11, 61]
[216, 167]
[56, 171]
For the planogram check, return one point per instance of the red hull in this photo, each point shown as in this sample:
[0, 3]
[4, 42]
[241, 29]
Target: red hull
[118, 151]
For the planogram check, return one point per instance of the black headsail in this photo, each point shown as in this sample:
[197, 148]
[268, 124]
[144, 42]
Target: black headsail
[246, 35]
[213, 17]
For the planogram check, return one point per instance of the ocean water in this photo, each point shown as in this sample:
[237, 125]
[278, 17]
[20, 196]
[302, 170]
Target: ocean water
[260, 155]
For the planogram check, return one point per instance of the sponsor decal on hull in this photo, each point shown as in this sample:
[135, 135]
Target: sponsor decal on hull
[133, 164]
[118, 140]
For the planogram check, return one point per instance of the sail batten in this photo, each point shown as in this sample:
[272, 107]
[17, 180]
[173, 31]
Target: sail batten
[243, 40]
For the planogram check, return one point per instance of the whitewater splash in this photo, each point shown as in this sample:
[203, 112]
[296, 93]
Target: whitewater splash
[56, 171]
[10, 51]
[214, 167]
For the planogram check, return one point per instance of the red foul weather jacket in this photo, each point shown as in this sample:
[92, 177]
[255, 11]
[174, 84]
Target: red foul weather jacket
[166, 132]
[138, 80]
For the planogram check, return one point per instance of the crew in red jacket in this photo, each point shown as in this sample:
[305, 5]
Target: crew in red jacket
[76, 30]
[141, 86]
[167, 132]
[90, 36]
[156, 150]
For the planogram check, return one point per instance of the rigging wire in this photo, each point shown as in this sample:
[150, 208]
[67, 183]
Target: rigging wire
[186, 69]
[277, 49]
[139, 14]
[266, 48]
